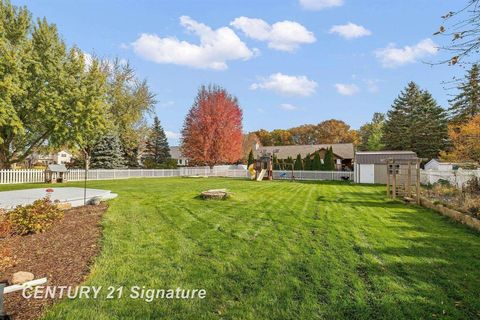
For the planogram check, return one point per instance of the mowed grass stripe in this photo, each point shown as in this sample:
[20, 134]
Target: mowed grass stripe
[280, 250]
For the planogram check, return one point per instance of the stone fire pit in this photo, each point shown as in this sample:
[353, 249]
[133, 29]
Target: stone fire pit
[218, 194]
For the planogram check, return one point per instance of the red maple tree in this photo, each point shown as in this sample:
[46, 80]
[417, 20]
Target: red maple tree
[212, 132]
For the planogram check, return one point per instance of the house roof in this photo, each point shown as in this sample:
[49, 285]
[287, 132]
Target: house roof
[175, 153]
[343, 150]
[379, 157]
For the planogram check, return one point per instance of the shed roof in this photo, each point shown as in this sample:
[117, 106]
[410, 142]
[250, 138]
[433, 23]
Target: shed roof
[343, 150]
[57, 168]
[379, 157]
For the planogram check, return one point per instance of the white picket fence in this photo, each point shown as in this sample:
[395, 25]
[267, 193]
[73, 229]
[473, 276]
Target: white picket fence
[313, 175]
[36, 175]
[456, 178]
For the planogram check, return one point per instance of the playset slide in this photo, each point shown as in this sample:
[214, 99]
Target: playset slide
[261, 175]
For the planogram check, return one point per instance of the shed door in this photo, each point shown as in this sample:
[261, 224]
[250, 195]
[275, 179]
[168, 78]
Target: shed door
[367, 173]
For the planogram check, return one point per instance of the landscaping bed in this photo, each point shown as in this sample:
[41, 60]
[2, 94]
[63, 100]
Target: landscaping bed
[63, 254]
[466, 201]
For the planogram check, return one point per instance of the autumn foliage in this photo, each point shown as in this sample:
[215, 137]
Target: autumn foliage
[465, 139]
[212, 132]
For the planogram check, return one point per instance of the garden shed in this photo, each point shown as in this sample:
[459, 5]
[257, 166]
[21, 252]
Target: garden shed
[371, 166]
[56, 173]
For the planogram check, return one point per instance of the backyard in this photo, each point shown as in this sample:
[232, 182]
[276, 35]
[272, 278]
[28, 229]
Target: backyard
[278, 250]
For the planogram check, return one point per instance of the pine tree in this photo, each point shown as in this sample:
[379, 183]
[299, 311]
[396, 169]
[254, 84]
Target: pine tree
[329, 161]
[298, 163]
[107, 153]
[397, 135]
[416, 123]
[251, 159]
[466, 103]
[157, 151]
[317, 162]
[307, 163]
[429, 128]
[276, 163]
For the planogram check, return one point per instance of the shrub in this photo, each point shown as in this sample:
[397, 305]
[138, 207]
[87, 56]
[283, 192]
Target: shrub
[472, 205]
[472, 186]
[35, 217]
[5, 225]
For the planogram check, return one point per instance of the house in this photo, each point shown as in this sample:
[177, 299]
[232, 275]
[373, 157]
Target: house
[176, 154]
[343, 152]
[44, 159]
[440, 165]
[371, 166]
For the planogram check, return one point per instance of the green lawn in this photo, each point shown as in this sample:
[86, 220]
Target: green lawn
[279, 250]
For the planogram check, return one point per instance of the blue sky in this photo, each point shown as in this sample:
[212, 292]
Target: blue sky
[289, 62]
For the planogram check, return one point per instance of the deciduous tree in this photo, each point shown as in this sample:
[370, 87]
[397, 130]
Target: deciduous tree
[371, 133]
[212, 131]
[465, 140]
[47, 96]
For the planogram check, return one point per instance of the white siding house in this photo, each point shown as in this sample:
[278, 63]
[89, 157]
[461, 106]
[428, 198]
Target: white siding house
[176, 154]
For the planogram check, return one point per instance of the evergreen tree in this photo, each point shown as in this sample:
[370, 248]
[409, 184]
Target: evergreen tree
[317, 162]
[429, 128]
[107, 153]
[416, 123]
[251, 159]
[157, 151]
[307, 163]
[276, 163]
[466, 103]
[281, 166]
[298, 163]
[397, 133]
[329, 161]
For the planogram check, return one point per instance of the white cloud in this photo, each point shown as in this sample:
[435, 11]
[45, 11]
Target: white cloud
[215, 49]
[287, 107]
[350, 31]
[391, 56]
[287, 85]
[320, 4]
[284, 35]
[172, 135]
[347, 89]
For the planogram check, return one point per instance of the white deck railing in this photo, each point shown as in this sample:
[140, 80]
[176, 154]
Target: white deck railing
[36, 175]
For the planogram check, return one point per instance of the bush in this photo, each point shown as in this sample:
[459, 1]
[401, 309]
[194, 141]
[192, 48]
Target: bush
[35, 217]
[5, 225]
[472, 186]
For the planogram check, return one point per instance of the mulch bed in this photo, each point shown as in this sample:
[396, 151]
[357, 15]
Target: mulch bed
[64, 254]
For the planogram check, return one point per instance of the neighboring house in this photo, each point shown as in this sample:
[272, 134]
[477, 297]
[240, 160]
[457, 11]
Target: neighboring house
[176, 154]
[440, 165]
[343, 152]
[36, 158]
[371, 166]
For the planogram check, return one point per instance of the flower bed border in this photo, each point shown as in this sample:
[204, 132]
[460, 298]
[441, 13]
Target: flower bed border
[458, 216]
